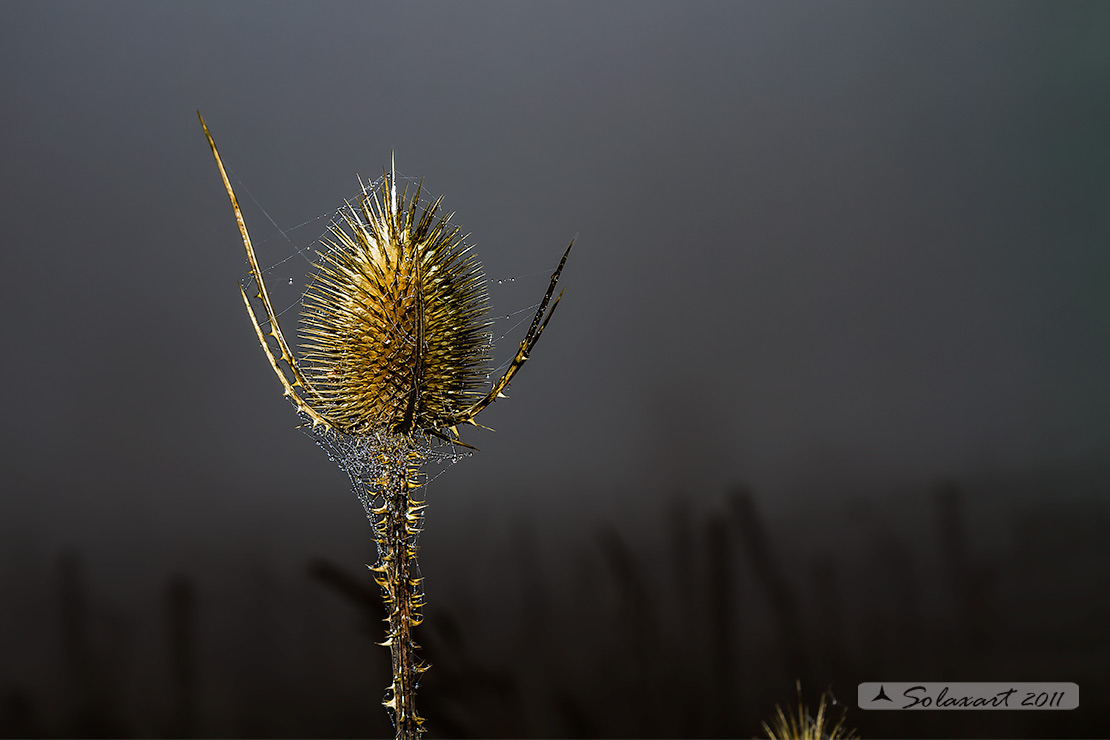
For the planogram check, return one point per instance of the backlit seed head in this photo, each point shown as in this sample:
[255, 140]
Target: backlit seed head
[799, 724]
[393, 324]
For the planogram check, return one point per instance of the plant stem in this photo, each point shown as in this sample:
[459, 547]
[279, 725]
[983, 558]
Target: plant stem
[397, 522]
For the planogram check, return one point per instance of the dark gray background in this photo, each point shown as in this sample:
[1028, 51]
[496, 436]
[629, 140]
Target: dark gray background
[835, 252]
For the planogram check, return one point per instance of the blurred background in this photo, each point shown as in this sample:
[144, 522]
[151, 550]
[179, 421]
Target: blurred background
[826, 399]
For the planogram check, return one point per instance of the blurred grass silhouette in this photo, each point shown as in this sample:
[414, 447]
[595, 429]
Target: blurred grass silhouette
[700, 636]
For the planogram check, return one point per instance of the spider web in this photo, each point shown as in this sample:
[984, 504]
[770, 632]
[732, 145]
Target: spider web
[358, 457]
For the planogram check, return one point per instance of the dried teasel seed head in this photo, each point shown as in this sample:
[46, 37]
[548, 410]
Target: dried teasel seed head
[799, 724]
[393, 322]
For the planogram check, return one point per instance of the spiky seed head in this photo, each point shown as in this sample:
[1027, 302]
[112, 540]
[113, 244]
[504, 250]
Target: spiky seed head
[801, 725]
[393, 320]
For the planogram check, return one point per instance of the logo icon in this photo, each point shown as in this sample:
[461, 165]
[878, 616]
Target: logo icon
[881, 696]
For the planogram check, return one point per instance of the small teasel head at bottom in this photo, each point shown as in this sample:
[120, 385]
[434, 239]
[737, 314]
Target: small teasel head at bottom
[799, 724]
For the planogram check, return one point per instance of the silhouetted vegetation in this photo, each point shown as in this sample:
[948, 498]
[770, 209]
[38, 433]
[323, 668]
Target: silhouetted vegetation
[697, 633]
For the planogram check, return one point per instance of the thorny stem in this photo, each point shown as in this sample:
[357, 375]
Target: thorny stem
[397, 522]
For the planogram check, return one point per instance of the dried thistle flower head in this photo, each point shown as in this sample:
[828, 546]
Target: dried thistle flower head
[394, 317]
[801, 725]
[393, 322]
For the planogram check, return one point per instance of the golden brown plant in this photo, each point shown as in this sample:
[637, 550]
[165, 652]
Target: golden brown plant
[394, 354]
[801, 725]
